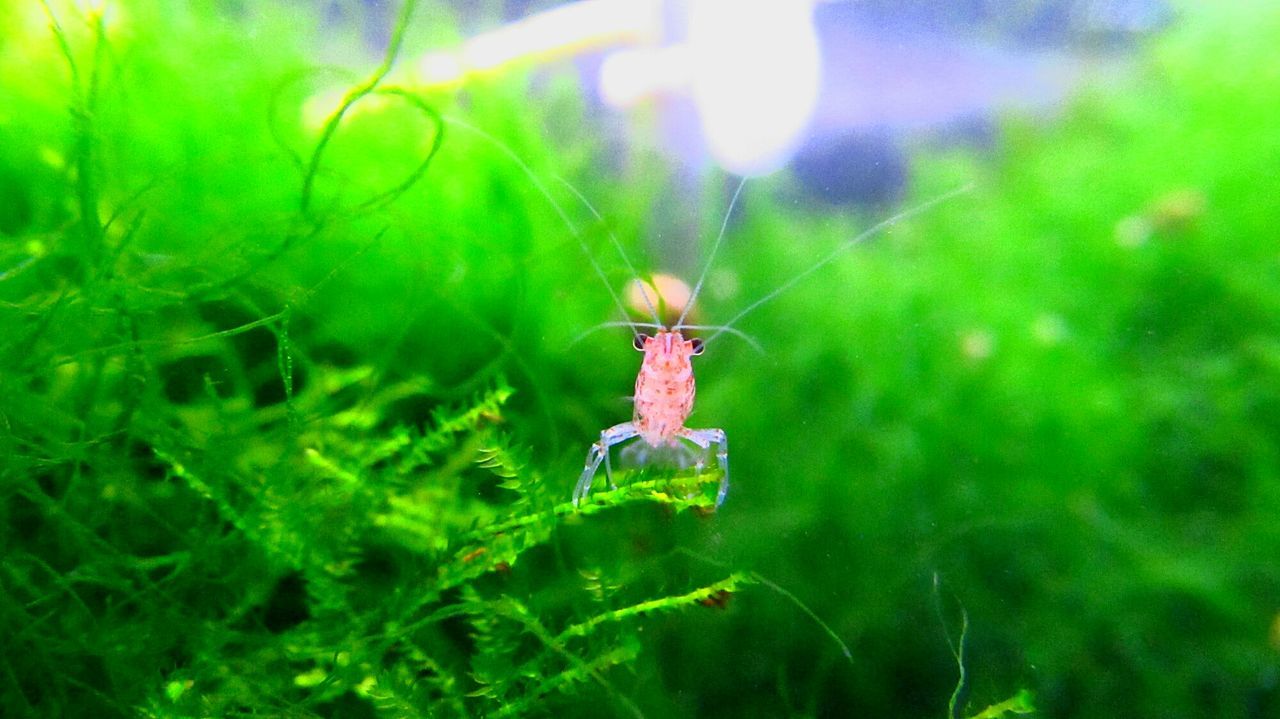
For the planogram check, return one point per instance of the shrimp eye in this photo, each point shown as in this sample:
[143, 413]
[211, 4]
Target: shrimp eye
[698, 346]
[638, 342]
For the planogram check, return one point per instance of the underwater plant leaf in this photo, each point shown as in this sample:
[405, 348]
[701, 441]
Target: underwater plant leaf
[1020, 703]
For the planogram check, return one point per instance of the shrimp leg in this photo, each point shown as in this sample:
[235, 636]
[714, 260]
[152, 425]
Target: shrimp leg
[704, 438]
[600, 451]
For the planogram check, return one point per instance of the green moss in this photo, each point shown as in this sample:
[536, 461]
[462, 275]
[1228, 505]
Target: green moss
[290, 411]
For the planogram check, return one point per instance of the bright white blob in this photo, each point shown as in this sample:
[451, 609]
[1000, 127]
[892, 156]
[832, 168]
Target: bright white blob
[756, 74]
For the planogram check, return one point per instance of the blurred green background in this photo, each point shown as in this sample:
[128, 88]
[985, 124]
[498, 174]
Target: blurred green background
[290, 413]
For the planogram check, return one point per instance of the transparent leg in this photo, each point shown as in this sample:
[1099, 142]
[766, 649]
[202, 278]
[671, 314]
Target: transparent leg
[600, 452]
[706, 438]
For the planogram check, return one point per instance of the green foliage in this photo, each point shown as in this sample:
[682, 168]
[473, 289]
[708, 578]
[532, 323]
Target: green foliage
[221, 499]
[291, 404]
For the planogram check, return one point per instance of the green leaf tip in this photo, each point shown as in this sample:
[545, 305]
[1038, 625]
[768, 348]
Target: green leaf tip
[1020, 703]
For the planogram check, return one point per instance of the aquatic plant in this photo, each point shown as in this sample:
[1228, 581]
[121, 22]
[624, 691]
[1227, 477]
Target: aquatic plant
[290, 411]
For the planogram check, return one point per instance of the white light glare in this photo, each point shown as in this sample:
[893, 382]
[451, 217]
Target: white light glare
[756, 77]
[559, 32]
[630, 76]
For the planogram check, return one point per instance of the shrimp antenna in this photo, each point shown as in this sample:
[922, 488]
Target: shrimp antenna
[755, 344]
[606, 325]
[533, 178]
[863, 236]
[697, 288]
[617, 246]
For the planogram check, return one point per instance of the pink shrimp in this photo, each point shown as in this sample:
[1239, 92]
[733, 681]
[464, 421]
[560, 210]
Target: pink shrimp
[665, 386]
[663, 400]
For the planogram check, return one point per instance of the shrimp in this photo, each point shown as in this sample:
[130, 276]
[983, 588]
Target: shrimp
[665, 387]
[663, 401]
